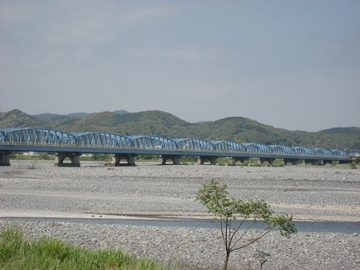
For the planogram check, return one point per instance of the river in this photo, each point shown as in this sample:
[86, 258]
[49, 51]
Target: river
[301, 226]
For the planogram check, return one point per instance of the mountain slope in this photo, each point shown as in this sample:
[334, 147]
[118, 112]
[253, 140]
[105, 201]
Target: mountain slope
[16, 119]
[158, 123]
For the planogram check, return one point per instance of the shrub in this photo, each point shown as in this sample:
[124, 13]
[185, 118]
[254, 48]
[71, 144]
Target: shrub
[14, 156]
[232, 162]
[353, 165]
[261, 256]
[266, 164]
[226, 161]
[254, 162]
[278, 163]
[147, 157]
[189, 159]
[357, 160]
[246, 163]
[216, 199]
[102, 157]
[44, 156]
[256, 165]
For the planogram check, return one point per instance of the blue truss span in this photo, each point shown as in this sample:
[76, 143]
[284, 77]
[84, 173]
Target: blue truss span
[226, 146]
[194, 144]
[36, 136]
[102, 140]
[150, 142]
[282, 149]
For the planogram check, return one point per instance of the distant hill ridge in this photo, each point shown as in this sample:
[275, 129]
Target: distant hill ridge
[159, 123]
[79, 114]
[342, 130]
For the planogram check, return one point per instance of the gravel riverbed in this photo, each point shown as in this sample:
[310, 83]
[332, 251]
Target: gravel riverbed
[311, 193]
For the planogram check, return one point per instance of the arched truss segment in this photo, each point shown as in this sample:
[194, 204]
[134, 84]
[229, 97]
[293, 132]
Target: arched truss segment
[152, 142]
[339, 153]
[227, 146]
[282, 149]
[257, 148]
[194, 144]
[102, 139]
[37, 135]
[2, 136]
[304, 151]
[323, 152]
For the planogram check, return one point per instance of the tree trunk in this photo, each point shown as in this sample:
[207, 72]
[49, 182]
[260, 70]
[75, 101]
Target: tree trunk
[226, 260]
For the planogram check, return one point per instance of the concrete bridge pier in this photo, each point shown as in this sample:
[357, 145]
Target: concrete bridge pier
[270, 160]
[116, 158]
[5, 158]
[73, 156]
[202, 159]
[163, 158]
[291, 161]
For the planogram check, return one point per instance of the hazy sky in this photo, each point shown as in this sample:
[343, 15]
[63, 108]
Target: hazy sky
[289, 64]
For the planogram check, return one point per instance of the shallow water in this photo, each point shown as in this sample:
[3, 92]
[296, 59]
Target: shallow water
[301, 226]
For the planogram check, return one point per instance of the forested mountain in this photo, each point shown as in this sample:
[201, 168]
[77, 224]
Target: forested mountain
[158, 123]
[17, 118]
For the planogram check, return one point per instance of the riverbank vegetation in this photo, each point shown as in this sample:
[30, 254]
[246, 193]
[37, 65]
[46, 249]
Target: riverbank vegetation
[17, 252]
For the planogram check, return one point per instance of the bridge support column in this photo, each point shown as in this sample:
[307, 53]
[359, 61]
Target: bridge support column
[291, 161]
[5, 158]
[202, 159]
[164, 158]
[270, 160]
[116, 158]
[73, 156]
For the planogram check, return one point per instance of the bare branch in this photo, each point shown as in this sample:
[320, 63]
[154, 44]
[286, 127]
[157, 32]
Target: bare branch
[254, 240]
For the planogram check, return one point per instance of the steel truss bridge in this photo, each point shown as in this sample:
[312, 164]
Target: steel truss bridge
[127, 147]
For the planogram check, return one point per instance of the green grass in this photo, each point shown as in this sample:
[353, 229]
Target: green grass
[16, 252]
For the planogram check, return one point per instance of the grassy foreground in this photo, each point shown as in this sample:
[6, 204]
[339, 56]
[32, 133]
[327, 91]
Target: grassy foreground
[16, 252]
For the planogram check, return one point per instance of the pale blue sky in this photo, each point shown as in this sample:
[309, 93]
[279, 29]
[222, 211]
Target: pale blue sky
[289, 64]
